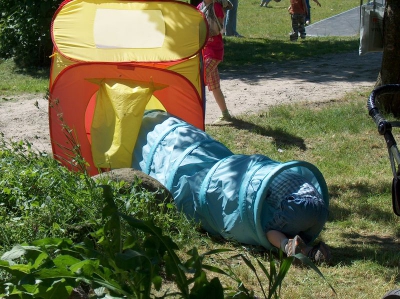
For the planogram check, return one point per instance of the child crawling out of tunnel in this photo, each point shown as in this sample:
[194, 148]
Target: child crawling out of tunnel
[251, 199]
[299, 214]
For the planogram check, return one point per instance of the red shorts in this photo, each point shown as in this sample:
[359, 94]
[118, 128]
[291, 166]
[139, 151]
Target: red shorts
[212, 79]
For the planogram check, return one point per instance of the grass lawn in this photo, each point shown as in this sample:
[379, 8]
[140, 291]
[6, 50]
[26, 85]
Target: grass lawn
[343, 142]
[338, 137]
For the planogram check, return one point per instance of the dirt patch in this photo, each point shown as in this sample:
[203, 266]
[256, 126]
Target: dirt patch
[319, 79]
[25, 118]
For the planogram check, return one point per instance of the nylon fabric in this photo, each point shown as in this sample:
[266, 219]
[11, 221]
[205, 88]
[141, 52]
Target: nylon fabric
[117, 116]
[224, 192]
[81, 28]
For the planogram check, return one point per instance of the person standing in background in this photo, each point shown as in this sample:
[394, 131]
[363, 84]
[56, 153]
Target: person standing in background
[213, 53]
[231, 20]
[264, 3]
[298, 13]
[308, 17]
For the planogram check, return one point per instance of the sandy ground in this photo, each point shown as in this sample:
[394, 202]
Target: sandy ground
[247, 91]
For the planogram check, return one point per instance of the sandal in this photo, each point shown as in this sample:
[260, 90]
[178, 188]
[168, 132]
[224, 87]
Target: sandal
[320, 253]
[294, 246]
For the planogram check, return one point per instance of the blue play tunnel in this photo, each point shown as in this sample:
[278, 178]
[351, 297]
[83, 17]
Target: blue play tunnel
[222, 191]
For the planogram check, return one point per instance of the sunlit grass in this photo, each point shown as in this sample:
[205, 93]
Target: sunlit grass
[274, 22]
[342, 141]
[16, 81]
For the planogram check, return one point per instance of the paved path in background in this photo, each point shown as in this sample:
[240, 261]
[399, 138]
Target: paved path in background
[344, 24]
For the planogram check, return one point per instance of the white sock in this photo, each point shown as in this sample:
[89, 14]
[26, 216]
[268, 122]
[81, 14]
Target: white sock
[283, 244]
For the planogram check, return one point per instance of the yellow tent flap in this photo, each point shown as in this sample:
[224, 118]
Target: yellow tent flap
[120, 105]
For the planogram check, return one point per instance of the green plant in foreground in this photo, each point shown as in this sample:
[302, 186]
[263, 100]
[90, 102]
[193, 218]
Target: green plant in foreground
[56, 266]
[39, 198]
[114, 261]
[128, 268]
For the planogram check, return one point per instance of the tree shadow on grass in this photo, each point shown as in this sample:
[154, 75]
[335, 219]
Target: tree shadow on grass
[380, 249]
[269, 52]
[37, 73]
[34, 72]
[280, 138]
[272, 60]
[364, 245]
[359, 202]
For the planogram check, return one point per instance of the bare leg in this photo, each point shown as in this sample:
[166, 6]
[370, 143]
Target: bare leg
[220, 99]
[213, 82]
[276, 238]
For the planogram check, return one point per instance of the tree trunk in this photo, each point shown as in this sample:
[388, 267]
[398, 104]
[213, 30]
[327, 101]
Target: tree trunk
[390, 69]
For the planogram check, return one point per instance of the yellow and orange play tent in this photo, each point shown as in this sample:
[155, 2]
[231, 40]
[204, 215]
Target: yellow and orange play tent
[114, 59]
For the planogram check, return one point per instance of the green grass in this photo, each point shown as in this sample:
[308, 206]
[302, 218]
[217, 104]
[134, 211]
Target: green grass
[338, 137]
[15, 81]
[267, 29]
[343, 142]
[274, 22]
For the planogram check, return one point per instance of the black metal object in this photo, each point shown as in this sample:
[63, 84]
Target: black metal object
[385, 129]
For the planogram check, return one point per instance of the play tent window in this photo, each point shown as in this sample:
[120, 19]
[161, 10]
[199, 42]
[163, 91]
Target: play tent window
[118, 29]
